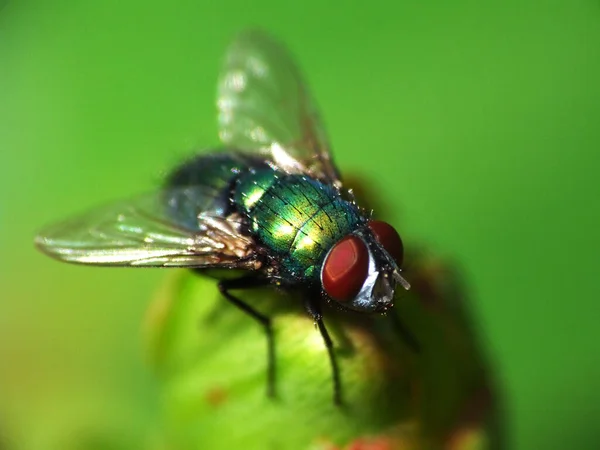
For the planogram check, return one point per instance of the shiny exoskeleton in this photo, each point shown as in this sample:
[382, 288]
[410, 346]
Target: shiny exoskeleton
[269, 204]
[294, 218]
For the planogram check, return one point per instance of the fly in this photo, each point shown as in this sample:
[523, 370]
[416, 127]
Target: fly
[270, 204]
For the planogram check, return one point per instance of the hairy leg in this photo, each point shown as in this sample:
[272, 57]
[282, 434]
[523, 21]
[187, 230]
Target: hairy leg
[248, 283]
[314, 309]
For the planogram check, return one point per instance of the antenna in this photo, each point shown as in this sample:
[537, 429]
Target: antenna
[405, 284]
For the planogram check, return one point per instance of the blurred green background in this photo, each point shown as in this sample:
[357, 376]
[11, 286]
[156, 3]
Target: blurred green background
[478, 125]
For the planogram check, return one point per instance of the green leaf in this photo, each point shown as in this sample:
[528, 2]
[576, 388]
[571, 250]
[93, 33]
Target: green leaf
[211, 360]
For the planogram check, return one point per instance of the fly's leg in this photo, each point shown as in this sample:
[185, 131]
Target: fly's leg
[247, 283]
[314, 309]
[404, 332]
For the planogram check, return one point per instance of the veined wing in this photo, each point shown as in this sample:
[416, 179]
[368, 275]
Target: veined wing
[170, 228]
[265, 108]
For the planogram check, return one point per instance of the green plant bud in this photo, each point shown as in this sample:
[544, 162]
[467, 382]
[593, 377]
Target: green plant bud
[211, 360]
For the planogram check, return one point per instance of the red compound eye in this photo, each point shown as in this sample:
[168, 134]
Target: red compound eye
[345, 268]
[389, 238]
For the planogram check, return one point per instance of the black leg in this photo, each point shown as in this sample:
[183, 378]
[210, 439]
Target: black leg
[404, 332]
[314, 309]
[246, 283]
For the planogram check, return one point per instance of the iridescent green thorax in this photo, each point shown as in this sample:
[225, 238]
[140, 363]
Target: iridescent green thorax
[297, 218]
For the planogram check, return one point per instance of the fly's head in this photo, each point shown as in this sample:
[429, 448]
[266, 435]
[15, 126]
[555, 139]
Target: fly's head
[362, 270]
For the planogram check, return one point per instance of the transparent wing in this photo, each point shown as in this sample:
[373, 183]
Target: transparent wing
[171, 228]
[264, 107]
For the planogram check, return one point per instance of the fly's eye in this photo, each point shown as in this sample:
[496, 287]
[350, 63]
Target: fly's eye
[389, 238]
[345, 268]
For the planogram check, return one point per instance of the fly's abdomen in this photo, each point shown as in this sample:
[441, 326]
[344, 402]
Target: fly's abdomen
[203, 185]
[295, 217]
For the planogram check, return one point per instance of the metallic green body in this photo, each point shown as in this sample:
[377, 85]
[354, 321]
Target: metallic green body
[214, 175]
[295, 218]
